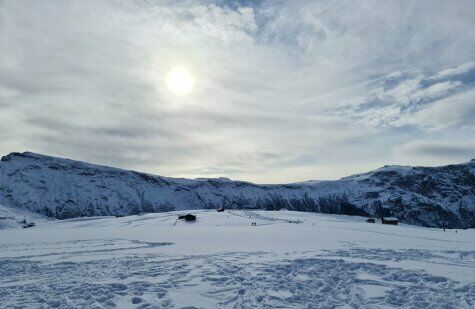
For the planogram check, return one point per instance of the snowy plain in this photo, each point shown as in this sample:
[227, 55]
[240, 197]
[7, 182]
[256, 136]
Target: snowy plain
[288, 260]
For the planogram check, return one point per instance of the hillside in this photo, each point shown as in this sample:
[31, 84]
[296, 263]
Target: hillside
[11, 217]
[61, 188]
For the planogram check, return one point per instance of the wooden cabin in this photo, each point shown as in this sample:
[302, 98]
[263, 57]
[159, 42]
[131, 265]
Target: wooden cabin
[390, 220]
[31, 224]
[220, 209]
[371, 220]
[187, 217]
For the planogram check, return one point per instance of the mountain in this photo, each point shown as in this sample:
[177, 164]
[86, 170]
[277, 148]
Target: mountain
[61, 188]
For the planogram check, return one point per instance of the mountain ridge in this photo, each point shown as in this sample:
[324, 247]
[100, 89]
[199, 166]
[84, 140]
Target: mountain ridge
[441, 196]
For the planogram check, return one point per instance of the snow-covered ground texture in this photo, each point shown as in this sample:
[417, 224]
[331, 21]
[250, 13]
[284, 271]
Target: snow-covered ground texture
[19, 217]
[435, 197]
[288, 260]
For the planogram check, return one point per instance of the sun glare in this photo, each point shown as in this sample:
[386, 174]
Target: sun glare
[179, 81]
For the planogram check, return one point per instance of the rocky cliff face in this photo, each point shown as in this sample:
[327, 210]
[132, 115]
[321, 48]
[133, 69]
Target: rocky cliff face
[429, 196]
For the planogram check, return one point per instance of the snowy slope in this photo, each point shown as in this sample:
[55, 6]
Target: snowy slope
[221, 261]
[11, 217]
[61, 188]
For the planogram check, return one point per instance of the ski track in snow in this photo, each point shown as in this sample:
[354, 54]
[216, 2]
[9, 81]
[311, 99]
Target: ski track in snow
[118, 272]
[234, 280]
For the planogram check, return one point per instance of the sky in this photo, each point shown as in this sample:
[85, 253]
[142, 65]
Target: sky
[283, 91]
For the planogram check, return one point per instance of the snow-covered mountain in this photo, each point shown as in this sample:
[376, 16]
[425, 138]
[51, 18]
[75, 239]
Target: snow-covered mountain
[61, 188]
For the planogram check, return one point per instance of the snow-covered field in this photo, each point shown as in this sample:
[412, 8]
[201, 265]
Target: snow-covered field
[289, 260]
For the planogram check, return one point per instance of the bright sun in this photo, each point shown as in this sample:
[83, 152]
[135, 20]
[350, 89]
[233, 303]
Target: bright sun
[179, 81]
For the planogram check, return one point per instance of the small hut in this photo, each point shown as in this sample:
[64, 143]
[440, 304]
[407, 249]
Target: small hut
[371, 220]
[220, 209]
[187, 217]
[390, 220]
[31, 224]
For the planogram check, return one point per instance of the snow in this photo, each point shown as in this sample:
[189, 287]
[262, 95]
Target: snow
[18, 217]
[221, 261]
[62, 188]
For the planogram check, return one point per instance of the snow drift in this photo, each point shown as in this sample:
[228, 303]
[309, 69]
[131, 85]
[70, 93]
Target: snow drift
[61, 188]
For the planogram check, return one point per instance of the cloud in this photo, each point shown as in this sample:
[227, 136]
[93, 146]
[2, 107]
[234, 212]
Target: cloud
[284, 91]
[442, 150]
[435, 152]
[398, 98]
[456, 112]
[455, 71]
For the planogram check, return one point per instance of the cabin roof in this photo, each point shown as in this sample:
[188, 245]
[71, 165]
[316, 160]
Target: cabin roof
[391, 219]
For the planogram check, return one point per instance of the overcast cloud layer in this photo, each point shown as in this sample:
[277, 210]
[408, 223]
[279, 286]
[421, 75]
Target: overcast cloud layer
[284, 90]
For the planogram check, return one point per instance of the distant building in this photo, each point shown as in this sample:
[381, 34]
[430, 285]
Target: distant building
[187, 217]
[31, 224]
[220, 209]
[295, 221]
[390, 220]
[371, 220]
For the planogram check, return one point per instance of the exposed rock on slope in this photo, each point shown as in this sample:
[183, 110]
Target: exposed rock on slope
[429, 196]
